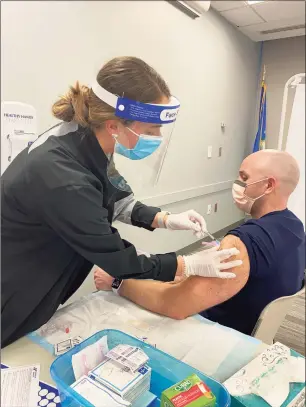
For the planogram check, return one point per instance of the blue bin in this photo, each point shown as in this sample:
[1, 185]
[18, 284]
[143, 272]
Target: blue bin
[166, 371]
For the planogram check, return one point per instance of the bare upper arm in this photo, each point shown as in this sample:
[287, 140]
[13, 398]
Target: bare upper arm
[201, 293]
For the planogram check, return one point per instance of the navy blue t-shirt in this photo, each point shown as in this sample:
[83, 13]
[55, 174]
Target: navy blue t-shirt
[276, 249]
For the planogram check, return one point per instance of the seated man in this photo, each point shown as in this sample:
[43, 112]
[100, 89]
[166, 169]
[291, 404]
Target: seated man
[271, 246]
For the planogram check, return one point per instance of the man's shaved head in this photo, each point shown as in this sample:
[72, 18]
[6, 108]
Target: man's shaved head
[277, 164]
[270, 177]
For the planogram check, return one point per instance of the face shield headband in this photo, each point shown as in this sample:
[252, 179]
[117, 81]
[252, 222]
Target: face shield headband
[128, 109]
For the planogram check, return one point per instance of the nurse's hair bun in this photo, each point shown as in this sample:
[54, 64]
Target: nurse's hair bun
[73, 105]
[123, 76]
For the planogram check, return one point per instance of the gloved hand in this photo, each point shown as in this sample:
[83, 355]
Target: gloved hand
[189, 220]
[103, 281]
[207, 263]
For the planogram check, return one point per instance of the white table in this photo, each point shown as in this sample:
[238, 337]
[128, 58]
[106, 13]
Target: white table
[24, 352]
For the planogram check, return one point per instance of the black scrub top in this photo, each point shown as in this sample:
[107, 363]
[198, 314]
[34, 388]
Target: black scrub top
[57, 207]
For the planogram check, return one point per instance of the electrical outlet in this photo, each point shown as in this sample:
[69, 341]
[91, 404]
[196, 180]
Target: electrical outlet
[216, 207]
[209, 151]
[220, 151]
[209, 209]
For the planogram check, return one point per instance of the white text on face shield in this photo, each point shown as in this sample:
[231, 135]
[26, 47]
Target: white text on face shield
[168, 115]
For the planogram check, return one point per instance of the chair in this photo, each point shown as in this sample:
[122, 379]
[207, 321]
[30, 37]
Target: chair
[272, 316]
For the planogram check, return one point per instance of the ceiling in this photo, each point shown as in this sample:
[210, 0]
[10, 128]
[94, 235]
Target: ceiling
[264, 20]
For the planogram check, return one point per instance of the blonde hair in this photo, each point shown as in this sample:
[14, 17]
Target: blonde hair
[123, 76]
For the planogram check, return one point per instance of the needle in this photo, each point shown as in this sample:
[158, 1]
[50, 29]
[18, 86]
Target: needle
[210, 235]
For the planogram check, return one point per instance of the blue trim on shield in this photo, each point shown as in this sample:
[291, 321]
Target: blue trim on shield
[147, 113]
[137, 111]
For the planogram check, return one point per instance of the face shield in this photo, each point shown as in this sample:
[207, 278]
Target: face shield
[141, 139]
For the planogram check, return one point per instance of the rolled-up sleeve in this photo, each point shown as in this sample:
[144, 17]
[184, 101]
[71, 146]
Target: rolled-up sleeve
[76, 215]
[129, 210]
[260, 247]
[123, 209]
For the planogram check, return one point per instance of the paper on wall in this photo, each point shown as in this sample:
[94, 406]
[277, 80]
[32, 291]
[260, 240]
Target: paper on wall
[18, 130]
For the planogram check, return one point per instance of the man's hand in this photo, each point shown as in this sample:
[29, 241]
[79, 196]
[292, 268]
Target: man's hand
[103, 281]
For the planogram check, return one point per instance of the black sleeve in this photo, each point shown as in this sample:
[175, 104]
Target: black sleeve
[143, 215]
[76, 214]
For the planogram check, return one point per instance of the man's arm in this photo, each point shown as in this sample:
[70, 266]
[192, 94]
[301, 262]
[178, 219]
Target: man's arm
[192, 295]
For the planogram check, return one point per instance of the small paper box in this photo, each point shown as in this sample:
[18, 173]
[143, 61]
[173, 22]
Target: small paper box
[190, 392]
[128, 385]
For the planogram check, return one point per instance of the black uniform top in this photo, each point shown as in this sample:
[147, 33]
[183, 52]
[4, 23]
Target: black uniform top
[57, 207]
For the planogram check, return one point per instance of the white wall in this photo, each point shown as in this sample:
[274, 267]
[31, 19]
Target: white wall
[209, 65]
[283, 59]
[296, 146]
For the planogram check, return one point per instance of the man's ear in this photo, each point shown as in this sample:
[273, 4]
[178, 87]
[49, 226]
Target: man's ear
[271, 185]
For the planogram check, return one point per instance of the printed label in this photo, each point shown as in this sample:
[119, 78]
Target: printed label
[187, 397]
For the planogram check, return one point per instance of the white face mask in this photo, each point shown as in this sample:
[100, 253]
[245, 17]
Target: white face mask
[243, 201]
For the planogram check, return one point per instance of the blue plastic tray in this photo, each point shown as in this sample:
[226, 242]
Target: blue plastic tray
[166, 371]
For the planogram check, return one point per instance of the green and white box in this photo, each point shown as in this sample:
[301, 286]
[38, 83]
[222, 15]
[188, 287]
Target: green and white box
[190, 392]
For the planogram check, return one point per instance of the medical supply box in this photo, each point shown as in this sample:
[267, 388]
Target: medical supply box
[165, 371]
[190, 392]
[128, 385]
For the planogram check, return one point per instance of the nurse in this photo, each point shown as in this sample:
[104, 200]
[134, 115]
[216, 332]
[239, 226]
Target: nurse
[61, 195]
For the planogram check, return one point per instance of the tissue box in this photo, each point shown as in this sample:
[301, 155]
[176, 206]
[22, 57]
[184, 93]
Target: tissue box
[190, 392]
[126, 384]
[274, 378]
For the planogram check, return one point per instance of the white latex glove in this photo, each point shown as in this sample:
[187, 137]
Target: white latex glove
[207, 263]
[189, 220]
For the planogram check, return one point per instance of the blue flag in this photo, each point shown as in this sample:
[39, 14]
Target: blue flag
[260, 139]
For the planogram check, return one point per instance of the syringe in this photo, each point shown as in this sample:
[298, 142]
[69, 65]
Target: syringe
[209, 234]
[212, 237]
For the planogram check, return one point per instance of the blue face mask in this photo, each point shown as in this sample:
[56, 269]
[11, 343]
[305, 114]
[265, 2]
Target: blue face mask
[145, 146]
